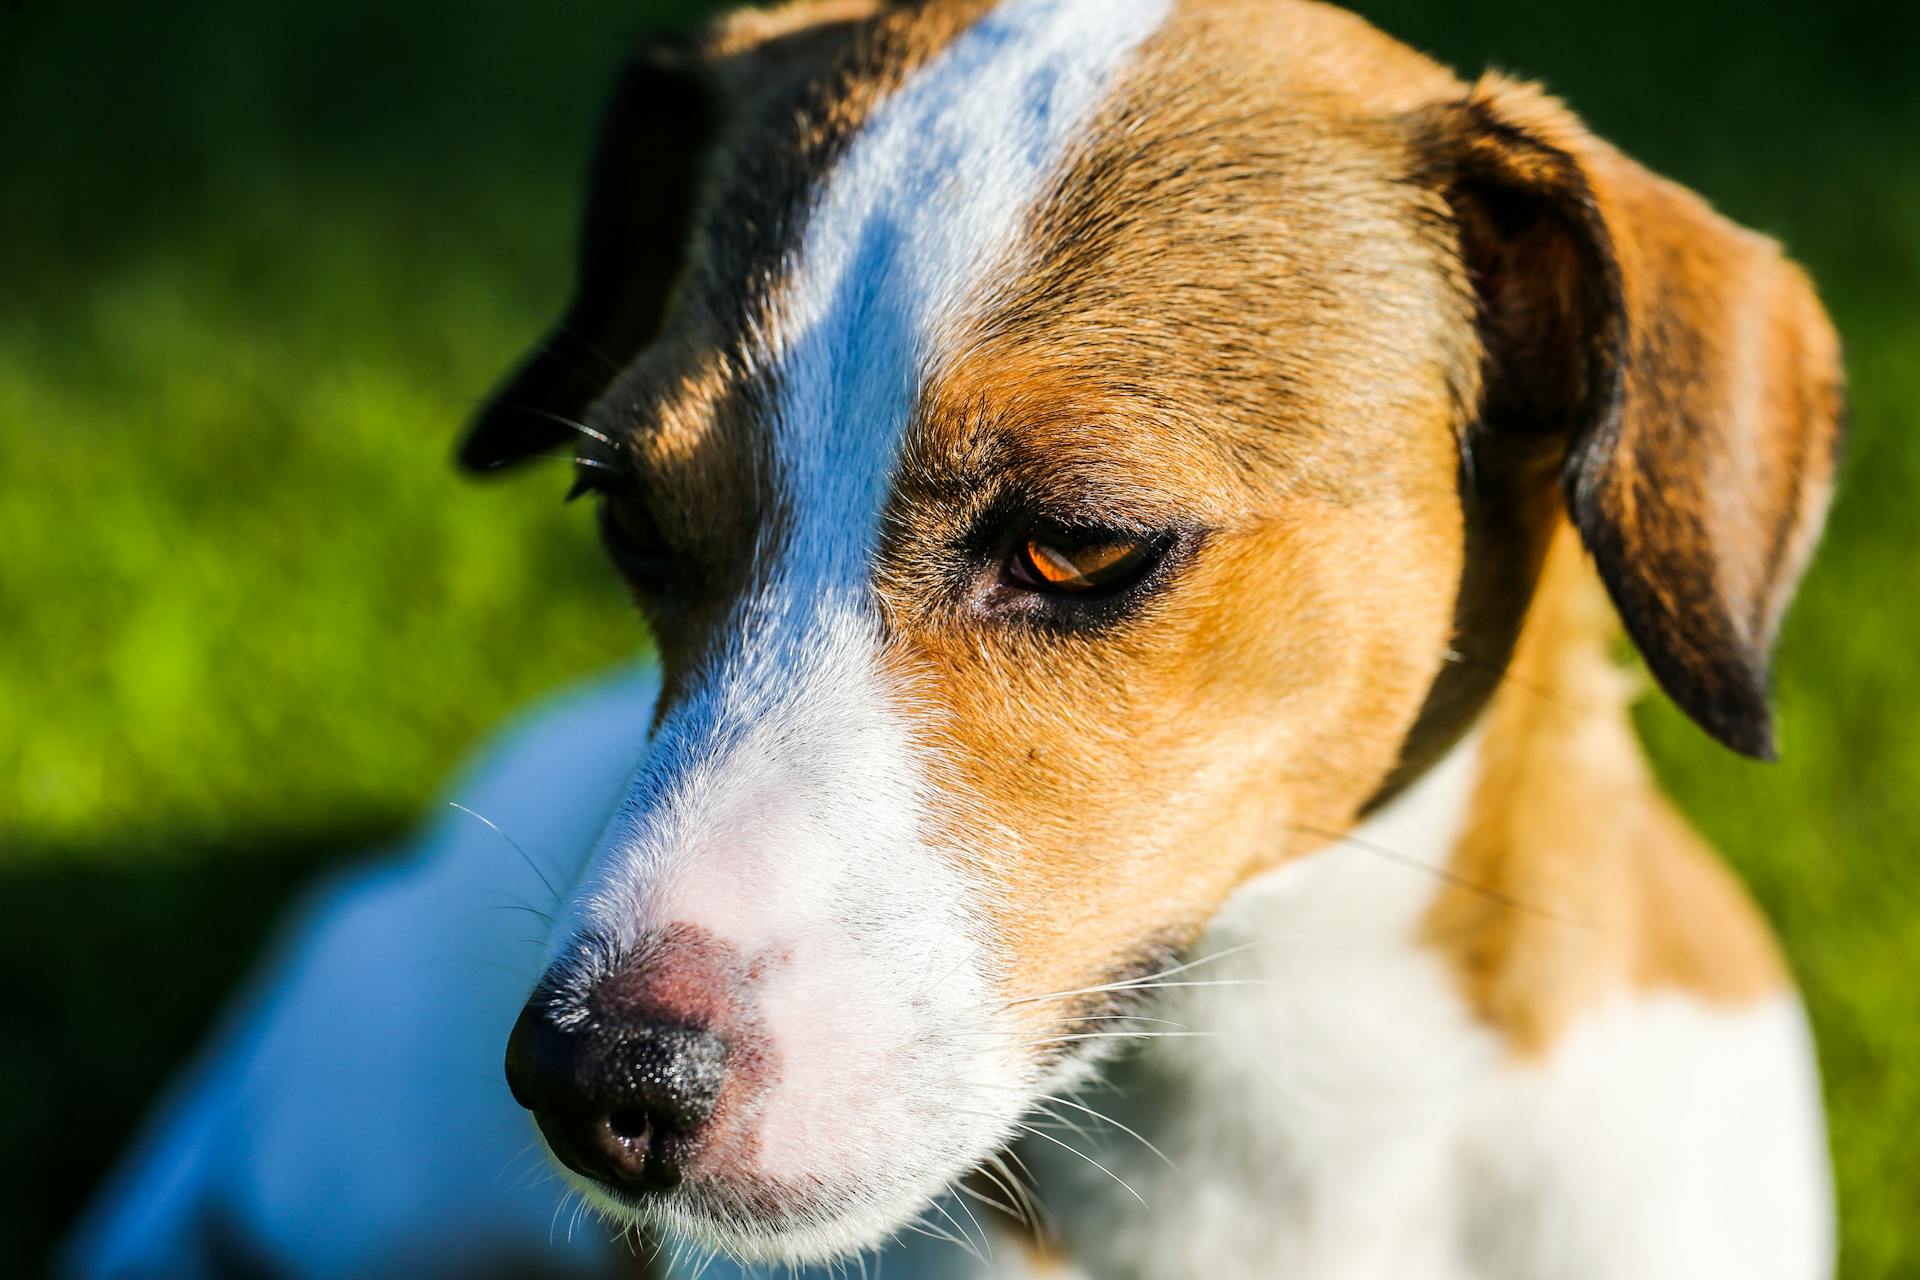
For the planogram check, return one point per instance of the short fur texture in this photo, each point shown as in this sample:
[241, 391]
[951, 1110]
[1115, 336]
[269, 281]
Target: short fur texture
[1325, 842]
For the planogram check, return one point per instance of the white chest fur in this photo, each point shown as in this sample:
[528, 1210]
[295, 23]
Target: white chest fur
[1341, 1115]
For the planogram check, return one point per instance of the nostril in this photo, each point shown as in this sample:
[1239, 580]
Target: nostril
[628, 1124]
[627, 1155]
[618, 1101]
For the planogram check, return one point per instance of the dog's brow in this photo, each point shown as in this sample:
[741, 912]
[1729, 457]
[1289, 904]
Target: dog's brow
[907, 232]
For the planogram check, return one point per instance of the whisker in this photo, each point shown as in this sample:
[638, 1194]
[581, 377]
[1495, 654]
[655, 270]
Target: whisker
[1126, 1017]
[585, 430]
[1065, 1146]
[1129, 984]
[933, 1232]
[1107, 1119]
[1503, 674]
[1057, 1120]
[1443, 874]
[494, 827]
[935, 1205]
[509, 906]
[588, 345]
[985, 1244]
[530, 1176]
[574, 1221]
[1068, 1021]
[1123, 1035]
[1144, 985]
[1023, 1181]
[571, 424]
[995, 1168]
[981, 1197]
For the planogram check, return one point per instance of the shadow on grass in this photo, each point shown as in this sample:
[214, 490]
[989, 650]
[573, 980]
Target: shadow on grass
[115, 973]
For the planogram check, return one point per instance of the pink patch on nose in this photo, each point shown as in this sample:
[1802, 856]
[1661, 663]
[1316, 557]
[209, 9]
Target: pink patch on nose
[682, 975]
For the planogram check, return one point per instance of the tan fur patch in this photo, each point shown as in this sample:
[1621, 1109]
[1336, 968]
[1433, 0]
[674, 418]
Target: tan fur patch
[687, 419]
[1578, 883]
[1195, 324]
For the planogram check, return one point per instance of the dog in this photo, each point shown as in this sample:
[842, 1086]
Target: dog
[1133, 500]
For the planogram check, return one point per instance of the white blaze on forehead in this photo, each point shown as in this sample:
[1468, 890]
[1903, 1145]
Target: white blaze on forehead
[913, 226]
[779, 807]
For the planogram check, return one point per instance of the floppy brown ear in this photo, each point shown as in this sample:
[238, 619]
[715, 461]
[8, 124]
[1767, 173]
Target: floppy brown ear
[1679, 367]
[639, 214]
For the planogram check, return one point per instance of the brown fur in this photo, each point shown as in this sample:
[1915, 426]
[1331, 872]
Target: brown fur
[1343, 321]
[1576, 881]
[1688, 370]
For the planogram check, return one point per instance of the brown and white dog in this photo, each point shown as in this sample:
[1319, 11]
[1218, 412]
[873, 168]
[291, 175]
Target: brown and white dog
[1126, 493]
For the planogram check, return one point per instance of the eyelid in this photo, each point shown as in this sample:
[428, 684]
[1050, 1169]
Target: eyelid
[594, 474]
[1087, 568]
[625, 522]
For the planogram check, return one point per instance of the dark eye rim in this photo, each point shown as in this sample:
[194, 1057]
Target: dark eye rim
[647, 563]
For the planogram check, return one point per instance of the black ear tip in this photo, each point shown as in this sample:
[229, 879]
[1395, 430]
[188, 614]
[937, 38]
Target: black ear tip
[1751, 735]
[517, 423]
[483, 450]
[1731, 701]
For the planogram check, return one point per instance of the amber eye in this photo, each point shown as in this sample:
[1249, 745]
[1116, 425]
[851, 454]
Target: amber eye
[1081, 568]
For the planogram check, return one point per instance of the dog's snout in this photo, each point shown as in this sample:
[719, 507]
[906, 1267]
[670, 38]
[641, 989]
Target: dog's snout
[619, 1100]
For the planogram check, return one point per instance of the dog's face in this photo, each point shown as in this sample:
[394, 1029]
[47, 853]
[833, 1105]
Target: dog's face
[1087, 454]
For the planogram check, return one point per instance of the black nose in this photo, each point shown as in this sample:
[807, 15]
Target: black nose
[619, 1101]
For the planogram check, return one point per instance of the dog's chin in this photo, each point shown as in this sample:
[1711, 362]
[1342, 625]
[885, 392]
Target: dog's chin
[765, 1223]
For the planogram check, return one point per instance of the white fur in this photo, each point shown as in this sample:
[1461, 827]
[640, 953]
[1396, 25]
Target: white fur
[1311, 1123]
[1344, 1117]
[1348, 1119]
[1662, 1137]
[780, 808]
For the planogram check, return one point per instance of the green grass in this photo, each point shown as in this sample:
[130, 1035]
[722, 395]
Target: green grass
[256, 262]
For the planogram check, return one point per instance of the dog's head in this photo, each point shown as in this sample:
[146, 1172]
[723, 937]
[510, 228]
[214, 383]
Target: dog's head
[1065, 451]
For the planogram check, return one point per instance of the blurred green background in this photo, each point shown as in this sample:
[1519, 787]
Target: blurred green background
[257, 262]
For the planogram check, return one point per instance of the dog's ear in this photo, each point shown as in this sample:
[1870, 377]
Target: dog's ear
[640, 205]
[1679, 370]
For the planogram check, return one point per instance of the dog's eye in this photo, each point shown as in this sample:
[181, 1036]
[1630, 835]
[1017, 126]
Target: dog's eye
[627, 529]
[1099, 566]
[633, 542]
